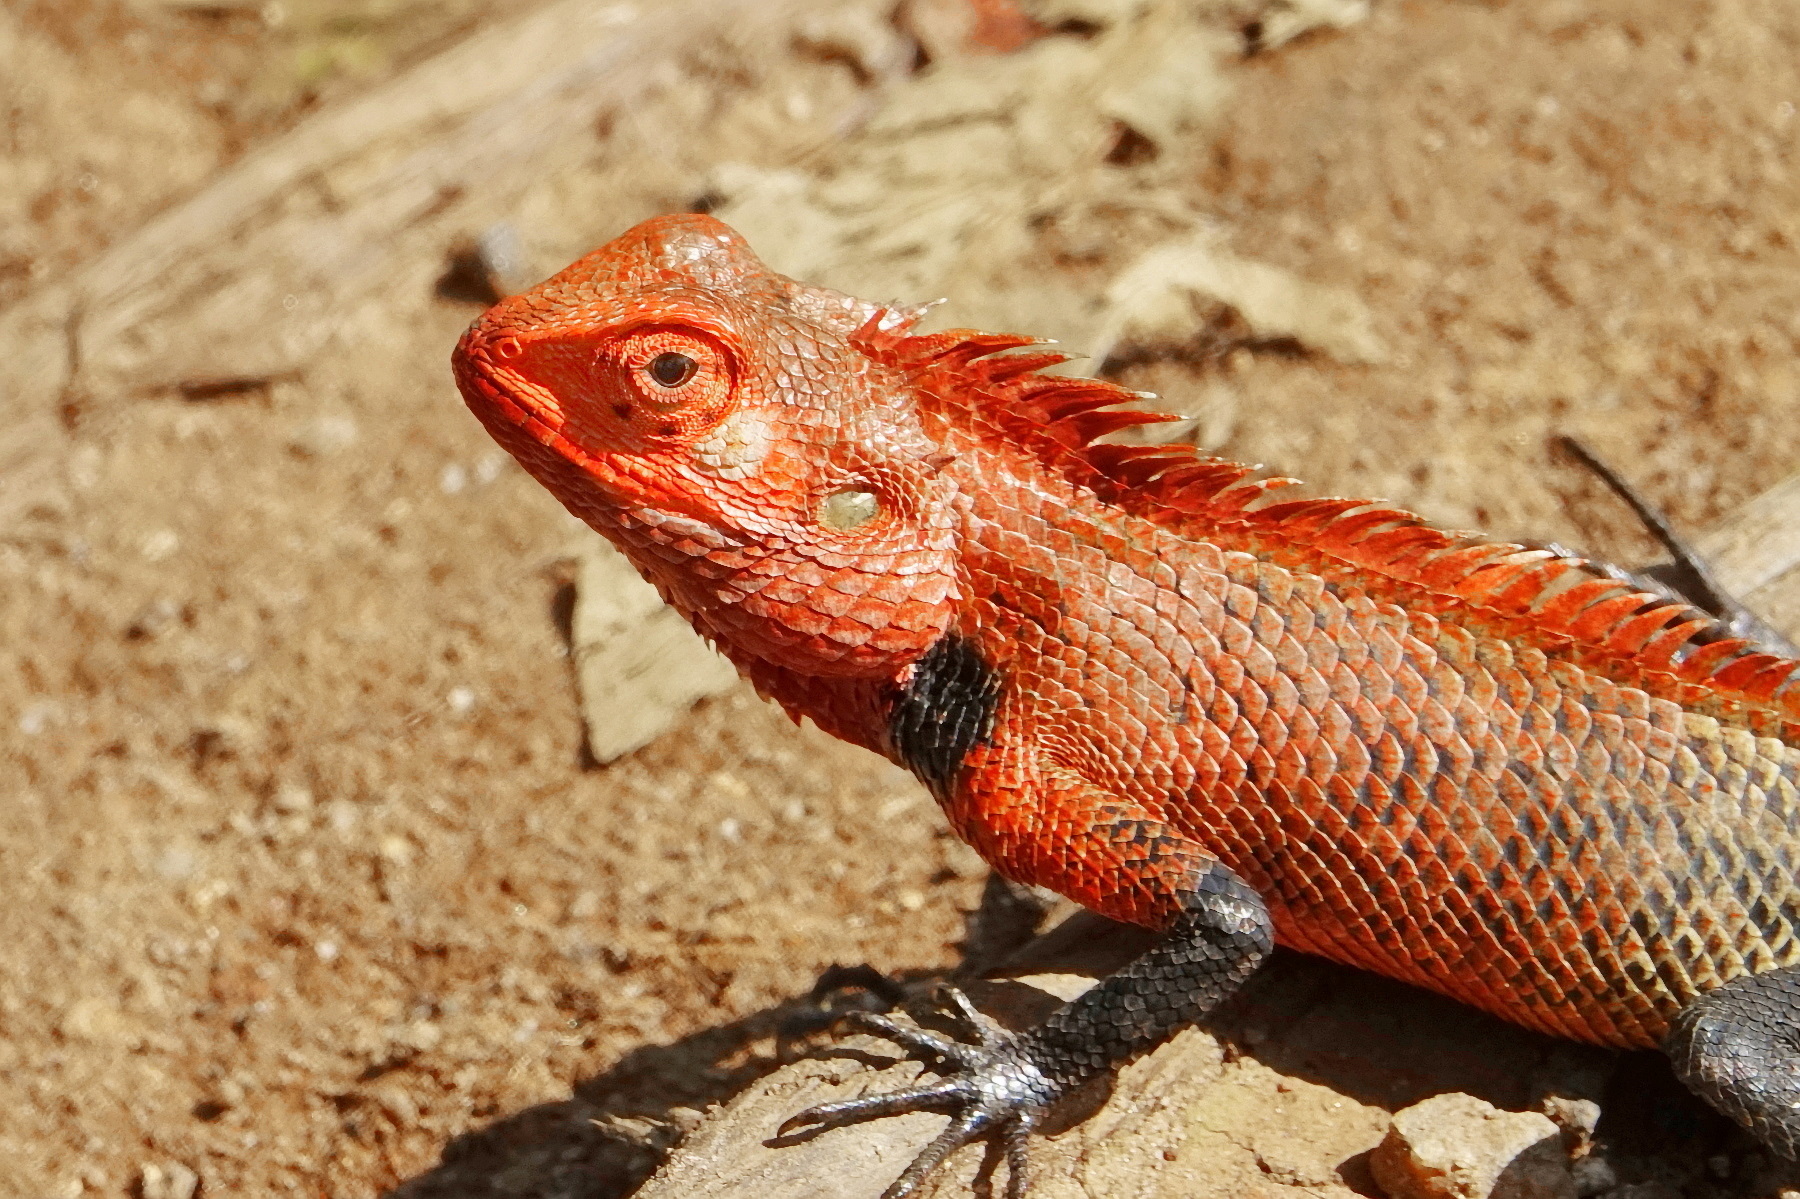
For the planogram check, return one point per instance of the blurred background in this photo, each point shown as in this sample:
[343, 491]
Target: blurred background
[314, 879]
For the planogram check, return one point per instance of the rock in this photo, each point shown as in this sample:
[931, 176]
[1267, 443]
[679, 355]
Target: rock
[171, 1181]
[1593, 1175]
[1578, 1118]
[1460, 1147]
[1649, 1190]
[639, 666]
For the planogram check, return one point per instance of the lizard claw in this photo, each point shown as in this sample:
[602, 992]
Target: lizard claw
[994, 1090]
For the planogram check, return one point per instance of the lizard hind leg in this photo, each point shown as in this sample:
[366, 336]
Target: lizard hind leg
[1738, 1048]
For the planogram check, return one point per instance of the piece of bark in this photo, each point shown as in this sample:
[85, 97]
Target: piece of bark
[638, 664]
[1755, 555]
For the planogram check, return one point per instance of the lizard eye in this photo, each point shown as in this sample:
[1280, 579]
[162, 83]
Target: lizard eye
[671, 369]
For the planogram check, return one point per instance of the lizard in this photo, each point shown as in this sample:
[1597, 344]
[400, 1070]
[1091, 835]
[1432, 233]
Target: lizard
[1149, 680]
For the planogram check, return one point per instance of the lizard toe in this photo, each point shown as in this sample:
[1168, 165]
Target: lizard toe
[993, 1090]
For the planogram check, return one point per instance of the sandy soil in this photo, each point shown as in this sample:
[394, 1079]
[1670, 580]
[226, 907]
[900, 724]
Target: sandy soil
[307, 887]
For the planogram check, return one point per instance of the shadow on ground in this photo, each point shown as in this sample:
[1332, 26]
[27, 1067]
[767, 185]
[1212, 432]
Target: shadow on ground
[1372, 1040]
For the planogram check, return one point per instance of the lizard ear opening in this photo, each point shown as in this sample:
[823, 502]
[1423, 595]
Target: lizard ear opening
[848, 509]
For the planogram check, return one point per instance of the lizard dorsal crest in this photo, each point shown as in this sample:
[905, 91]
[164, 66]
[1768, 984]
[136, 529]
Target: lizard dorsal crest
[1558, 604]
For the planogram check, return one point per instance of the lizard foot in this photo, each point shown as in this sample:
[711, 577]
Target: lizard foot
[994, 1090]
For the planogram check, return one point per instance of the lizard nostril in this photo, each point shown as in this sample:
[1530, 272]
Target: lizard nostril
[507, 347]
[848, 509]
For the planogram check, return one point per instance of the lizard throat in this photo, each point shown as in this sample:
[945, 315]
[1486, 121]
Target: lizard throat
[944, 711]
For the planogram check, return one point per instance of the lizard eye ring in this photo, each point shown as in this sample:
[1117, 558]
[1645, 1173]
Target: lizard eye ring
[670, 382]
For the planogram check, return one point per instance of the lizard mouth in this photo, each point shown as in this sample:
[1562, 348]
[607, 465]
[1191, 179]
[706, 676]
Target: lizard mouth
[523, 417]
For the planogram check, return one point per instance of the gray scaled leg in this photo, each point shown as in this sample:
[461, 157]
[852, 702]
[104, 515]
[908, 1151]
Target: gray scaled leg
[1738, 1048]
[1002, 1085]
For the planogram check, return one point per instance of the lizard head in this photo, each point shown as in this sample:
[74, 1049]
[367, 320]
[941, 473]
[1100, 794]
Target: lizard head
[726, 427]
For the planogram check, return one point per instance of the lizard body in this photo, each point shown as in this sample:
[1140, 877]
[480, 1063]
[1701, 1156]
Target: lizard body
[1140, 678]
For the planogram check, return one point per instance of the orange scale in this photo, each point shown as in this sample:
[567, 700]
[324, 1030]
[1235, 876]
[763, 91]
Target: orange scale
[1608, 728]
[1342, 897]
[1337, 731]
[1589, 917]
[1388, 758]
[1558, 756]
[1271, 630]
[1300, 886]
[1629, 764]
[1228, 672]
[1489, 754]
[1284, 705]
[1305, 620]
[1539, 721]
[831, 602]
[1366, 721]
[785, 589]
[895, 639]
[1443, 947]
[1568, 969]
[1594, 763]
[1410, 691]
[1457, 762]
[1236, 639]
[1486, 854]
[1385, 653]
[1505, 720]
[1389, 891]
[1548, 903]
[1312, 688]
[1284, 697]
[891, 590]
[1435, 722]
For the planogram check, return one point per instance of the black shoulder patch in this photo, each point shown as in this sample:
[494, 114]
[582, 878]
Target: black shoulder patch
[946, 710]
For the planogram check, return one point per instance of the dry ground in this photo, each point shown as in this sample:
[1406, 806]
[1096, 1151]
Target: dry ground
[306, 886]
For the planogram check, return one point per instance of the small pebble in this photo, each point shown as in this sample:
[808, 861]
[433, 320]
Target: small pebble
[1456, 1146]
[170, 1181]
[1593, 1175]
[323, 436]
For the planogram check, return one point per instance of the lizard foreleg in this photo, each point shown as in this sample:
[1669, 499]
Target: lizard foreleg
[1002, 1085]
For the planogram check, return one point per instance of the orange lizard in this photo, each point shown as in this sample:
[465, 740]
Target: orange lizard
[1144, 679]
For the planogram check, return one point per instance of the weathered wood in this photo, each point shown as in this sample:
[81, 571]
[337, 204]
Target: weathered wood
[1756, 555]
